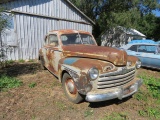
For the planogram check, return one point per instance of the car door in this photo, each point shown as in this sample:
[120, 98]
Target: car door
[147, 53]
[152, 59]
[52, 53]
[133, 50]
[141, 54]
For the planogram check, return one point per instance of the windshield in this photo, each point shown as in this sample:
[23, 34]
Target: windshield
[77, 39]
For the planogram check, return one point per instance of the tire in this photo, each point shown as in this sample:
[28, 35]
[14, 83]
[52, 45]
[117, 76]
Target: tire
[70, 89]
[41, 61]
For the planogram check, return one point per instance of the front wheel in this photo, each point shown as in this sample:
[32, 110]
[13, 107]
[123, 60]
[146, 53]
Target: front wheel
[70, 89]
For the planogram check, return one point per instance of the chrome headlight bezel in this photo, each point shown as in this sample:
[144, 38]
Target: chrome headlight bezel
[138, 64]
[93, 73]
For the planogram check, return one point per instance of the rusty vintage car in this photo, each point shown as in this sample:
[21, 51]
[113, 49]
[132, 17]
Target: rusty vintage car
[89, 71]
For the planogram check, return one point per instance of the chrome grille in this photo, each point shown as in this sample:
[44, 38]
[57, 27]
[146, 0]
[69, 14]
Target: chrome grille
[117, 78]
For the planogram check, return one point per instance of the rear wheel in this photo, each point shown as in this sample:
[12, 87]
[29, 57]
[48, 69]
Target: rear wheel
[70, 89]
[41, 61]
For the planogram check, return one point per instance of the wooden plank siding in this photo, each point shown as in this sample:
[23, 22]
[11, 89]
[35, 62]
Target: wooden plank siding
[34, 18]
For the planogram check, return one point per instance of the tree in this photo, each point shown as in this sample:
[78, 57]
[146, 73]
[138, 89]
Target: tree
[107, 14]
[3, 24]
[3, 19]
[155, 33]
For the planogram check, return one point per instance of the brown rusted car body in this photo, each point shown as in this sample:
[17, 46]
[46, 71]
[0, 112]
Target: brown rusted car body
[116, 70]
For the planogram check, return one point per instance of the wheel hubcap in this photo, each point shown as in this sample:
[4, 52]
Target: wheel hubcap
[71, 86]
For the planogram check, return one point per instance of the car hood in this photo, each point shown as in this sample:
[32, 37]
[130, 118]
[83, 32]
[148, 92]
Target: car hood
[117, 57]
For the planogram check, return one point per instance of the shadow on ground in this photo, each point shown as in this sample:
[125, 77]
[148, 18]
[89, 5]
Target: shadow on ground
[108, 102]
[151, 69]
[17, 69]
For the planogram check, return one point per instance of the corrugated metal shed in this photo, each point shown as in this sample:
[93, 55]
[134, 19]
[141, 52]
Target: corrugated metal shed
[32, 19]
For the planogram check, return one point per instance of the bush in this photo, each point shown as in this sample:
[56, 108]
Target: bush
[8, 82]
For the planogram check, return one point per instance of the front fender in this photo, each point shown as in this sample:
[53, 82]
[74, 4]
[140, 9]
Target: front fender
[78, 68]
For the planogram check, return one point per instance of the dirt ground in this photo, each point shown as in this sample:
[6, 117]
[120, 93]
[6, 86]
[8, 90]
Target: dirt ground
[46, 101]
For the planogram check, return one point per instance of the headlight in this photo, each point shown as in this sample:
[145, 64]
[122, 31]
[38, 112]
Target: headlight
[93, 73]
[138, 64]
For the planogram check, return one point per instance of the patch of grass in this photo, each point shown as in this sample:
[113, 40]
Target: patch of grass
[7, 82]
[60, 105]
[150, 112]
[140, 96]
[6, 63]
[21, 61]
[143, 95]
[31, 60]
[9, 62]
[88, 113]
[150, 97]
[116, 116]
[153, 85]
[32, 85]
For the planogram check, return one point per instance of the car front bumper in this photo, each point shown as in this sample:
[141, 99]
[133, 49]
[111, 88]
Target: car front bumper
[120, 93]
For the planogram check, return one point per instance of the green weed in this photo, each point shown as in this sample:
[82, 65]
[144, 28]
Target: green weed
[8, 82]
[33, 117]
[60, 105]
[88, 113]
[116, 116]
[150, 112]
[32, 85]
[150, 97]
[153, 85]
[140, 96]
[9, 62]
[21, 61]
[142, 113]
[6, 63]
[31, 60]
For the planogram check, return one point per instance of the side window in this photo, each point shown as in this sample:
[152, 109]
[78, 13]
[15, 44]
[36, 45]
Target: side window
[46, 40]
[87, 39]
[53, 40]
[133, 48]
[151, 48]
[142, 48]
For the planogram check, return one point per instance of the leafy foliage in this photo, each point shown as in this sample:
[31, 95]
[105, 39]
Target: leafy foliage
[135, 14]
[8, 82]
[3, 20]
[4, 24]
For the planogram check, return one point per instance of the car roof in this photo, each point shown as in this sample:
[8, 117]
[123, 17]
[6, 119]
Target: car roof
[143, 44]
[67, 31]
[129, 45]
[142, 41]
